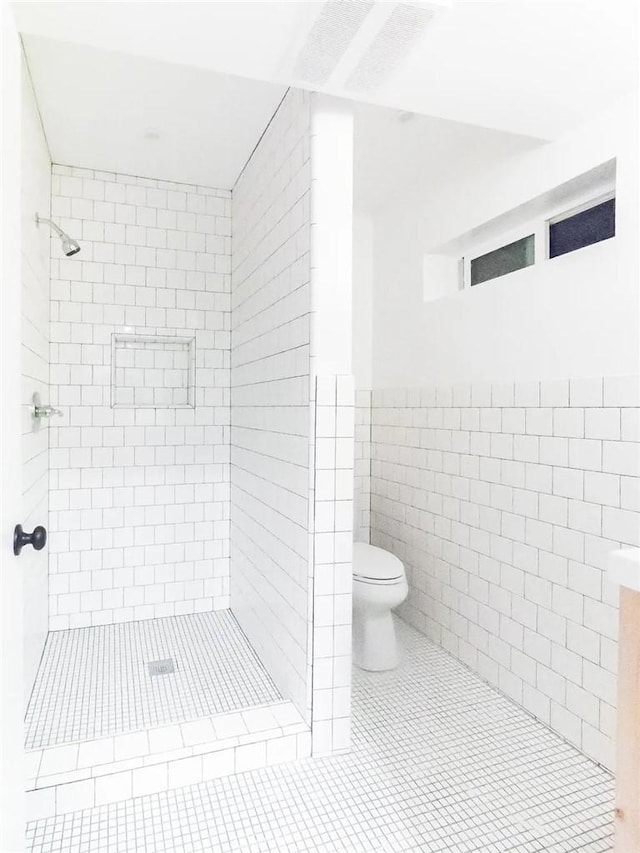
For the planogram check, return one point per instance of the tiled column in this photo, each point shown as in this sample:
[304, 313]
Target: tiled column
[331, 537]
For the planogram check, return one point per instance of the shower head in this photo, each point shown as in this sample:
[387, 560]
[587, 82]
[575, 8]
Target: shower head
[69, 245]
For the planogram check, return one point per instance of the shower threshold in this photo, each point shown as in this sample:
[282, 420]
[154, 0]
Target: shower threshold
[126, 709]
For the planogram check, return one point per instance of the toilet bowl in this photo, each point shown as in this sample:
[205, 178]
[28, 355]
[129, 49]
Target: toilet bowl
[379, 584]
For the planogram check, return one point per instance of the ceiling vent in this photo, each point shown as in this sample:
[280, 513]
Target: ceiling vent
[390, 47]
[329, 38]
[357, 44]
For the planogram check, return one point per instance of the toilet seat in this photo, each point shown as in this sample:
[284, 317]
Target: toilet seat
[376, 566]
[377, 581]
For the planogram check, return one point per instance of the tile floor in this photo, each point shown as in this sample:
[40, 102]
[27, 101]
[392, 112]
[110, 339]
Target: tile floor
[94, 682]
[440, 762]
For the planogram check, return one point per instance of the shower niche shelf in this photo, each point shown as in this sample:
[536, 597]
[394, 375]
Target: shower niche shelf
[152, 371]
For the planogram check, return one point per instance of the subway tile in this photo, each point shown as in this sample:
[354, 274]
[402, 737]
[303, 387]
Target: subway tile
[585, 454]
[569, 422]
[123, 268]
[113, 788]
[602, 423]
[75, 796]
[218, 763]
[250, 757]
[621, 525]
[59, 759]
[150, 780]
[586, 391]
[622, 390]
[554, 392]
[621, 457]
[40, 803]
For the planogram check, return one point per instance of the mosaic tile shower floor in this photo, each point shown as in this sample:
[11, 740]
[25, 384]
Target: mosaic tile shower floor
[440, 762]
[94, 682]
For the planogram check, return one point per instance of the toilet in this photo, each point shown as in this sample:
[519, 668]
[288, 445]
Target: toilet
[379, 584]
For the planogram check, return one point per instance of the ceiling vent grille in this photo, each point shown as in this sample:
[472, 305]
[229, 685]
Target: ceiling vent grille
[329, 38]
[390, 47]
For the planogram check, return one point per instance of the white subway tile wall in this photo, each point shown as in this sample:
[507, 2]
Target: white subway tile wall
[504, 502]
[139, 496]
[34, 368]
[362, 468]
[270, 432]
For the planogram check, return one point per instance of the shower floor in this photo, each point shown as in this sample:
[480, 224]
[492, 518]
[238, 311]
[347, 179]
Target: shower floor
[95, 682]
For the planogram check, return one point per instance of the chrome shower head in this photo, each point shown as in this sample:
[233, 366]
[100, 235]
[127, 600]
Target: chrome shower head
[69, 245]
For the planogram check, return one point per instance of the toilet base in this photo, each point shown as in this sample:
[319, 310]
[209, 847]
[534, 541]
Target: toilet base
[375, 647]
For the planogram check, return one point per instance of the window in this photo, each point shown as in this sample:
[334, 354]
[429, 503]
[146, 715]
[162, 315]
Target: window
[577, 213]
[514, 256]
[583, 228]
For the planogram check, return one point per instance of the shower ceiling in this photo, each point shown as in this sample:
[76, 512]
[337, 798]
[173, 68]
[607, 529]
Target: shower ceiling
[116, 112]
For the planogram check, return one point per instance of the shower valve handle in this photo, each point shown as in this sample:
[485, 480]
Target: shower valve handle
[38, 538]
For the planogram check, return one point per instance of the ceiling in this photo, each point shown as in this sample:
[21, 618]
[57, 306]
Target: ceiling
[182, 91]
[138, 116]
[398, 155]
[534, 67]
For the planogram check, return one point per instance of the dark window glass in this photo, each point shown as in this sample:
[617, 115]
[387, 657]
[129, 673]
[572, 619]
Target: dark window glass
[582, 229]
[504, 260]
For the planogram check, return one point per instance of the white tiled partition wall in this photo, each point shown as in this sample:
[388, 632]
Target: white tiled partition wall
[271, 299]
[36, 197]
[139, 495]
[504, 502]
[331, 546]
[290, 544]
[332, 407]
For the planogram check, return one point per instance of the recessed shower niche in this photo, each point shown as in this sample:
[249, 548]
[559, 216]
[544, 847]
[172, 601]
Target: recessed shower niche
[152, 371]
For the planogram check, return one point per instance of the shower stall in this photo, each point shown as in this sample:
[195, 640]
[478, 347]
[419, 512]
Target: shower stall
[190, 616]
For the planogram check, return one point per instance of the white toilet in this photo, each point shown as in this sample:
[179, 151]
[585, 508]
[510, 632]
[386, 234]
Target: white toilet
[379, 583]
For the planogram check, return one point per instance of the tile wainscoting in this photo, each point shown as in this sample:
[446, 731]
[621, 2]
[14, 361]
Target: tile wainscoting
[504, 501]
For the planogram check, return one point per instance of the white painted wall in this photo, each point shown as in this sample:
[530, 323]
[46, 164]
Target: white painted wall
[331, 242]
[362, 304]
[573, 316]
[36, 196]
[12, 808]
[362, 343]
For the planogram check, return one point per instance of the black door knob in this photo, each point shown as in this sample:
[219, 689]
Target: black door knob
[38, 538]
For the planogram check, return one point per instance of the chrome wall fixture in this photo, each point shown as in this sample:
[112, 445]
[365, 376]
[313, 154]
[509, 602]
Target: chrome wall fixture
[69, 245]
[41, 412]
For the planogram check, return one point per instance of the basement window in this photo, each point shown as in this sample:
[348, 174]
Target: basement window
[582, 227]
[509, 258]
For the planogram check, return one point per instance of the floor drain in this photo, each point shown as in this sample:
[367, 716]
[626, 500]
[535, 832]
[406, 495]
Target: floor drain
[161, 667]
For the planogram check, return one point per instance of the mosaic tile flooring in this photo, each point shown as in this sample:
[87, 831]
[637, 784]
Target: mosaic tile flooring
[440, 762]
[94, 682]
